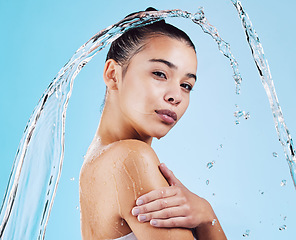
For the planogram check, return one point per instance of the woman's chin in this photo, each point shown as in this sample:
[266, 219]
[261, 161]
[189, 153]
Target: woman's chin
[160, 134]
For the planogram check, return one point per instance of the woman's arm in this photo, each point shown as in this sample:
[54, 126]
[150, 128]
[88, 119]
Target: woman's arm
[135, 173]
[176, 206]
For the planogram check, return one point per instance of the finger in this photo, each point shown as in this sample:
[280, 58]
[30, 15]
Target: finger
[163, 214]
[169, 175]
[170, 223]
[156, 194]
[157, 205]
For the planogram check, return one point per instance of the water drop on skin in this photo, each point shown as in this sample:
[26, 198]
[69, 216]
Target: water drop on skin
[213, 222]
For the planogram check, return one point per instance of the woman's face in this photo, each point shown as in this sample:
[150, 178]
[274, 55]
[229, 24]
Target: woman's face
[154, 92]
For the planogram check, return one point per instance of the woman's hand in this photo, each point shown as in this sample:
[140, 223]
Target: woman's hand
[173, 206]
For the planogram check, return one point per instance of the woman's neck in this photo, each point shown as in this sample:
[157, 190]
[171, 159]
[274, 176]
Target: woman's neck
[113, 127]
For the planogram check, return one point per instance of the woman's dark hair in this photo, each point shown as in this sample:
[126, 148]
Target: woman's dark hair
[132, 41]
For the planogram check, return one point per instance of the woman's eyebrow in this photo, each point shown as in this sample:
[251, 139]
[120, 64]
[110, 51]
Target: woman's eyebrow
[171, 65]
[191, 75]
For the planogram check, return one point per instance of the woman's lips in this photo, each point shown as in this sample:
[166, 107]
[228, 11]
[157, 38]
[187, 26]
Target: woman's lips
[167, 116]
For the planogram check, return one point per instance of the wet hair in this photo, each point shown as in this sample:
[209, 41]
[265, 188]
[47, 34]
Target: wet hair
[133, 41]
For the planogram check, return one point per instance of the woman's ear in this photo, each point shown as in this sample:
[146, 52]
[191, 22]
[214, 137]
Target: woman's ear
[112, 73]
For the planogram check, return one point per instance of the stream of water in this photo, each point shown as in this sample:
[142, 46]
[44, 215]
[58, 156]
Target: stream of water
[267, 82]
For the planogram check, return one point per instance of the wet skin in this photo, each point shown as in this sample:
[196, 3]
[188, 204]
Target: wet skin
[120, 164]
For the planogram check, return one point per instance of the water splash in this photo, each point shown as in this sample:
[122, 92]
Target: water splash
[38, 163]
[267, 82]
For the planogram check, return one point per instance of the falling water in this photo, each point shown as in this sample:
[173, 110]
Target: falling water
[266, 79]
[38, 163]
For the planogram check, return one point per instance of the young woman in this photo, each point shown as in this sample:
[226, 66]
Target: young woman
[125, 193]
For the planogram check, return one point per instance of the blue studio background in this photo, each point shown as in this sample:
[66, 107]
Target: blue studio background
[244, 185]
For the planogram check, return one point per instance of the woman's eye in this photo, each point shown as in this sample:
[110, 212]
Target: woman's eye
[186, 86]
[160, 75]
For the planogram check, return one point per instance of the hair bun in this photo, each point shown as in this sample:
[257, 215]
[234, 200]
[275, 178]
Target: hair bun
[153, 9]
[150, 9]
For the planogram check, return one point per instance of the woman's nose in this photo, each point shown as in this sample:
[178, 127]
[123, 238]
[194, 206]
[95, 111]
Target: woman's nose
[173, 95]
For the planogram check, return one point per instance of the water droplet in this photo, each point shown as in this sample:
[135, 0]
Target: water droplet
[214, 194]
[214, 221]
[72, 179]
[261, 192]
[247, 115]
[207, 182]
[77, 207]
[274, 154]
[285, 217]
[247, 233]
[283, 183]
[221, 145]
[239, 113]
[210, 164]
[283, 227]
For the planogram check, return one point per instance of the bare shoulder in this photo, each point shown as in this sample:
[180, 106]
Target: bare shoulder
[137, 163]
[126, 164]
[125, 153]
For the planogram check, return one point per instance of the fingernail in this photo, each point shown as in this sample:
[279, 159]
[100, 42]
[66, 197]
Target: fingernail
[141, 218]
[135, 211]
[139, 202]
[163, 165]
[153, 222]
